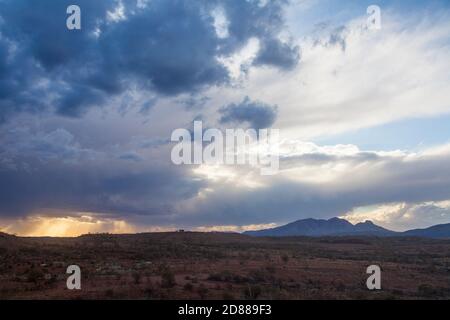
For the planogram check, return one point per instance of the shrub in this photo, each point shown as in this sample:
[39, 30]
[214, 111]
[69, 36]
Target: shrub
[202, 291]
[224, 276]
[260, 275]
[271, 269]
[136, 277]
[150, 291]
[227, 296]
[34, 275]
[168, 279]
[425, 290]
[109, 293]
[188, 286]
[252, 292]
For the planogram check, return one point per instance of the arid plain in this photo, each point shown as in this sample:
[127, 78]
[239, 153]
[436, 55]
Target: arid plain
[187, 265]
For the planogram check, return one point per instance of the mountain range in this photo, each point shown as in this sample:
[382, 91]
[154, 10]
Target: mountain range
[341, 227]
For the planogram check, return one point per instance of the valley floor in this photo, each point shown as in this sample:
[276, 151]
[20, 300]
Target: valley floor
[222, 266]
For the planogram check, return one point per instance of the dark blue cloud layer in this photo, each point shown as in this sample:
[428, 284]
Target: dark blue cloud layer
[168, 46]
[102, 189]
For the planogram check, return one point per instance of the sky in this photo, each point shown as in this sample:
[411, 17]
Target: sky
[86, 116]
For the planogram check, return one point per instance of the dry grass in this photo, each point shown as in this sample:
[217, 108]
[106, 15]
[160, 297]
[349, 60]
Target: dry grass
[222, 266]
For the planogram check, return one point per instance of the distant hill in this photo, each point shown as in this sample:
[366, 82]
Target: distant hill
[5, 235]
[341, 227]
[437, 231]
[318, 227]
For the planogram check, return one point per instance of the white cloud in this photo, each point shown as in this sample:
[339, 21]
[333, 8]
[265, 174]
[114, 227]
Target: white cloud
[233, 228]
[221, 22]
[403, 216]
[351, 77]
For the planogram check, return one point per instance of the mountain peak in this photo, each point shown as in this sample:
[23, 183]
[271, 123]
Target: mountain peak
[367, 222]
[340, 227]
[319, 227]
[336, 219]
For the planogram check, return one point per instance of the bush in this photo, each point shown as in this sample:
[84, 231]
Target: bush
[34, 275]
[109, 293]
[261, 275]
[227, 276]
[168, 279]
[150, 291]
[425, 290]
[252, 292]
[188, 286]
[227, 296]
[223, 276]
[271, 269]
[202, 291]
[136, 278]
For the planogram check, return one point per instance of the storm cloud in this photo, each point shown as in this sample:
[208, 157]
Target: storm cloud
[166, 46]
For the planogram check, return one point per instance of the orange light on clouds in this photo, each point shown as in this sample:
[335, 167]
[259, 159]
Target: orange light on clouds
[73, 226]
[37, 226]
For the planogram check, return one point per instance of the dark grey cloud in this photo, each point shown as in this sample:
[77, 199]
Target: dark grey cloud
[46, 170]
[275, 53]
[168, 46]
[21, 144]
[130, 156]
[104, 187]
[257, 115]
[194, 102]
